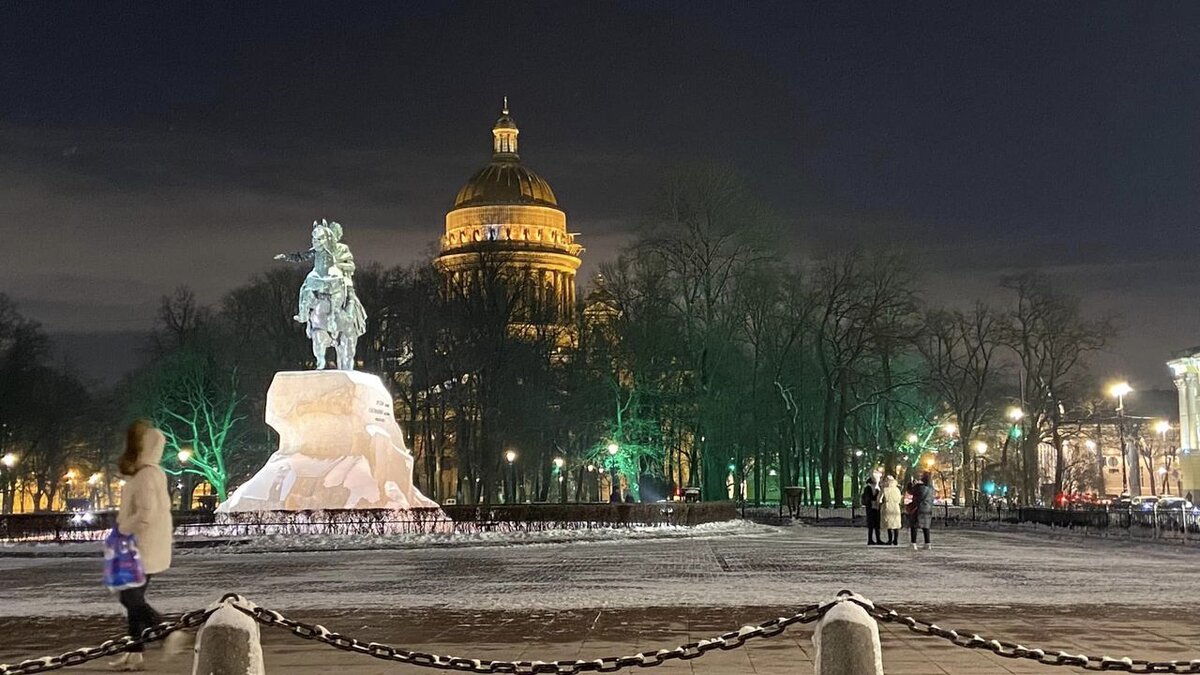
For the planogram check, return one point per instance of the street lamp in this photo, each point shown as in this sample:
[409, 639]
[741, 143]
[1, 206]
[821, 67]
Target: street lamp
[1119, 391]
[559, 463]
[1016, 414]
[980, 450]
[70, 476]
[613, 478]
[951, 430]
[8, 460]
[511, 456]
[184, 456]
[913, 439]
[1162, 427]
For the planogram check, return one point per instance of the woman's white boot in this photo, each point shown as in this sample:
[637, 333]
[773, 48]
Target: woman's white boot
[128, 662]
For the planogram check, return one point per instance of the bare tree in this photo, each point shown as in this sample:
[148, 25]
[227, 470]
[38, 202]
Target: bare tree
[960, 351]
[1051, 339]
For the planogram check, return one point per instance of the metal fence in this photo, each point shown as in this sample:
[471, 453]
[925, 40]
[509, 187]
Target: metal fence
[1134, 522]
[94, 526]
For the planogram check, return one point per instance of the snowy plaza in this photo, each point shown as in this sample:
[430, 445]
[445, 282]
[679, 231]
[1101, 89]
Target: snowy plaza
[587, 599]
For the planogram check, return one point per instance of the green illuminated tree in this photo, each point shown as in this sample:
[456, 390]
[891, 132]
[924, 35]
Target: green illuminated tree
[195, 404]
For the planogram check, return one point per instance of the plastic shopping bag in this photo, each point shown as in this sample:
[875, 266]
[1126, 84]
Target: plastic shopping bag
[122, 563]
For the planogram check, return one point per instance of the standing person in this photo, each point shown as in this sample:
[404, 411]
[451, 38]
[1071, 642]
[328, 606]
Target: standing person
[922, 513]
[145, 514]
[870, 500]
[890, 502]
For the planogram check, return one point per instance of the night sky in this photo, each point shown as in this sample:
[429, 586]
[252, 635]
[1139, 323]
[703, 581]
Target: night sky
[148, 145]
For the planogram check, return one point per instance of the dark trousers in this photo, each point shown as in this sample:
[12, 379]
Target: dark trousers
[893, 537]
[873, 522]
[913, 532]
[141, 614]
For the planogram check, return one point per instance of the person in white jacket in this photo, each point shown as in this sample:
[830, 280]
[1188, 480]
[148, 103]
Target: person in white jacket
[890, 503]
[146, 514]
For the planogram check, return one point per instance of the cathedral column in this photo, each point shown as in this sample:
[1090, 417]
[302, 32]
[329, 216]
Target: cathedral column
[1191, 390]
[561, 294]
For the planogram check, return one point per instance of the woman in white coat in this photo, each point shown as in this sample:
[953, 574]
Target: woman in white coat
[146, 514]
[891, 502]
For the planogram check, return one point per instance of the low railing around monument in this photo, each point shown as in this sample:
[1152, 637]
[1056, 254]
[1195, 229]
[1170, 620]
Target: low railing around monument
[76, 527]
[200, 525]
[541, 517]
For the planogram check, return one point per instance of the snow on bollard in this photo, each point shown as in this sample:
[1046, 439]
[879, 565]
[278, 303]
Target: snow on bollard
[847, 641]
[228, 645]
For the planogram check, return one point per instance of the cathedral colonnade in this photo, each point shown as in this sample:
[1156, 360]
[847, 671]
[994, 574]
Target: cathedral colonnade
[1186, 371]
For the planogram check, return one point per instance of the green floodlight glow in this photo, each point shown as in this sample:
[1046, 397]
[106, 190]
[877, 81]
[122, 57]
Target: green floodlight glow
[1015, 433]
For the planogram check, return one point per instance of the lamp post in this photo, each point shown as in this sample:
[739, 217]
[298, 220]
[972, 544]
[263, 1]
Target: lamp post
[951, 430]
[7, 461]
[511, 493]
[980, 451]
[1129, 483]
[613, 477]
[559, 465]
[67, 480]
[1162, 427]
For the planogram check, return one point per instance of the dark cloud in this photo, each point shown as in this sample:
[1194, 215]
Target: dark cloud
[145, 146]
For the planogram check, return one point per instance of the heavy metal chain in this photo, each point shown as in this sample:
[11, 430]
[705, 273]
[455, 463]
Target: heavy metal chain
[1013, 650]
[611, 664]
[692, 650]
[75, 657]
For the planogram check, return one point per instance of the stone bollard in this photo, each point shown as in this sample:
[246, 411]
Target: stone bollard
[228, 645]
[847, 641]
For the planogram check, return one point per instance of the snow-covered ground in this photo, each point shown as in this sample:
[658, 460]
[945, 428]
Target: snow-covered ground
[745, 566]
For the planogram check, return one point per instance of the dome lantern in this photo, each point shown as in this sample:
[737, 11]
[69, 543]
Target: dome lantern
[504, 135]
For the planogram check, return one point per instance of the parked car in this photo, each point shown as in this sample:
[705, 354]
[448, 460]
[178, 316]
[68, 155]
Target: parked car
[1174, 512]
[1144, 502]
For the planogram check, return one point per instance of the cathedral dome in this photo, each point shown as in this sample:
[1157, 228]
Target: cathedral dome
[505, 183]
[505, 180]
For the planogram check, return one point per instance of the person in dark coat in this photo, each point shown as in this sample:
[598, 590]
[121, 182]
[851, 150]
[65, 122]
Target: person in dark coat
[870, 500]
[921, 509]
[615, 496]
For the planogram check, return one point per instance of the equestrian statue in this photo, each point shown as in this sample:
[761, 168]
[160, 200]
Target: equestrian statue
[328, 305]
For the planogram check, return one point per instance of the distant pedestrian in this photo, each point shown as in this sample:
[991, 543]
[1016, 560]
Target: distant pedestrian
[628, 497]
[922, 509]
[890, 501]
[870, 500]
[146, 514]
[615, 496]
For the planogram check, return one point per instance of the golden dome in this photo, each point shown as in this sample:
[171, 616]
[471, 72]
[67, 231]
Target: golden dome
[505, 180]
[505, 183]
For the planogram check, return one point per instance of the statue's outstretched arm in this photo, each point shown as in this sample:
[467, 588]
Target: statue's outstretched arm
[302, 256]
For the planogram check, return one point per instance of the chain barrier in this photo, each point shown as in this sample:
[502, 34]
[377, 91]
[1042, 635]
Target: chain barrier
[1013, 650]
[114, 647]
[692, 650]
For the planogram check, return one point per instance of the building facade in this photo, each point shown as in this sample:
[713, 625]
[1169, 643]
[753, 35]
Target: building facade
[1186, 371]
[508, 216]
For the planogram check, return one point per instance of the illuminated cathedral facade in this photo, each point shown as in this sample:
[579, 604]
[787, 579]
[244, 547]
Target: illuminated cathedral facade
[507, 215]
